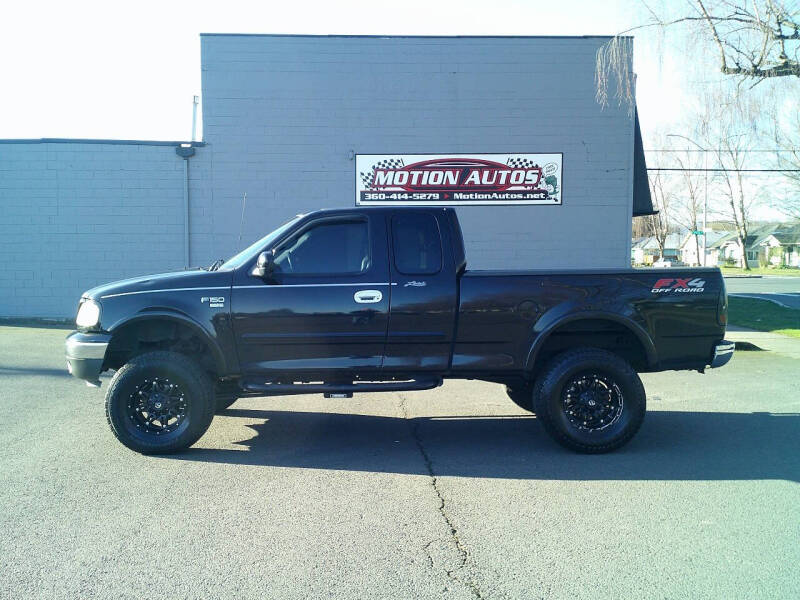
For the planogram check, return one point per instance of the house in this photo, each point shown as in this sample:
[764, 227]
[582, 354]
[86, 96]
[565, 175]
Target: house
[781, 247]
[646, 251]
[729, 252]
[692, 247]
[771, 243]
[639, 249]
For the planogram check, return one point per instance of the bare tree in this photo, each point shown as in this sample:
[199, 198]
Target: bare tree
[728, 127]
[689, 210]
[753, 40]
[641, 227]
[737, 206]
[660, 224]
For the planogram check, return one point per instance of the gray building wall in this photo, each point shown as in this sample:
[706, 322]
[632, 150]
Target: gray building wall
[74, 215]
[283, 115]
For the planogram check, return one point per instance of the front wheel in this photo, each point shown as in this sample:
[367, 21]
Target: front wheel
[160, 402]
[590, 400]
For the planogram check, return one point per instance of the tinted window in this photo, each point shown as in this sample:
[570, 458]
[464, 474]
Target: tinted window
[417, 245]
[239, 259]
[335, 247]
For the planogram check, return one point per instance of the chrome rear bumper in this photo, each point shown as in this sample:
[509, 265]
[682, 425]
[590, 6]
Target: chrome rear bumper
[723, 353]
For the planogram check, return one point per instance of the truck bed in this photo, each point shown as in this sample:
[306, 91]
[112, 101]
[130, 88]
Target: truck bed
[672, 313]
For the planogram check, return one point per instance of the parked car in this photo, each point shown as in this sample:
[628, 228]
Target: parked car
[380, 299]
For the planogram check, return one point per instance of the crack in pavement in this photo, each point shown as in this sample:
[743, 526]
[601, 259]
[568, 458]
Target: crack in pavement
[463, 554]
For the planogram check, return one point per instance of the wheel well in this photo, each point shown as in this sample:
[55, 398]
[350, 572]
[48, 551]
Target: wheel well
[150, 335]
[596, 333]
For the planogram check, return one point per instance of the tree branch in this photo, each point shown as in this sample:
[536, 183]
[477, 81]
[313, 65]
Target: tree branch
[714, 34]
[786, 69]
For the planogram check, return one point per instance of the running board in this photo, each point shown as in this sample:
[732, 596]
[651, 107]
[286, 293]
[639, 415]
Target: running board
[335, 389]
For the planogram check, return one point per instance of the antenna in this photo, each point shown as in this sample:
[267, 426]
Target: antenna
[241, 223]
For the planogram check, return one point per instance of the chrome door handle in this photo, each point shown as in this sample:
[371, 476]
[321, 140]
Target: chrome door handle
[368, 296]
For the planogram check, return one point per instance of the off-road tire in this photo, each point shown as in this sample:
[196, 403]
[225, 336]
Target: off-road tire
[197, 388]
[571, 365]
[522, 396]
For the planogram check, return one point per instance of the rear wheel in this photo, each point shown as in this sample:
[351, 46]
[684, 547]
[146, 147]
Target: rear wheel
[590, 400]
[160, 402]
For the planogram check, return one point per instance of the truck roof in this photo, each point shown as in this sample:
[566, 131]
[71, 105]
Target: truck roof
[379, 209]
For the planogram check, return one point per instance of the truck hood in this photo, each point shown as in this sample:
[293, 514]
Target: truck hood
[161, 282]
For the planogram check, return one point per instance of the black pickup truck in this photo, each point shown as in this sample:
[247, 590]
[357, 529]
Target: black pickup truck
[380, 299]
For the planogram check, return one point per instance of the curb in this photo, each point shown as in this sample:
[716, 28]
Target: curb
[760, 297]
[742, 276]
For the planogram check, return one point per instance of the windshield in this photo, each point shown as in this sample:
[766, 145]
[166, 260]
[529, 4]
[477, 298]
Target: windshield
[242, 257]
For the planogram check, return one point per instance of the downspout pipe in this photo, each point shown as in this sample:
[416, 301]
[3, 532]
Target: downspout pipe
[185, 151]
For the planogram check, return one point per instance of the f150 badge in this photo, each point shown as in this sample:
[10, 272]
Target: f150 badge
[679, 286]
[214, 301]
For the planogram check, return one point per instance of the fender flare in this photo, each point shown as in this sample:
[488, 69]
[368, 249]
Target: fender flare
[168, 315]
[640, 332]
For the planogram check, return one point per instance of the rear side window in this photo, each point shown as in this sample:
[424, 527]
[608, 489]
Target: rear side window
[417, 244]
[329, 248]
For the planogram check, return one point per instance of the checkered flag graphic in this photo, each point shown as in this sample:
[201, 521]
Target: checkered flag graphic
[390, 163]
[521, 163]
[368, 178]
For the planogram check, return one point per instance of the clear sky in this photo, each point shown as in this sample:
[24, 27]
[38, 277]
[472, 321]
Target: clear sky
[128, 70]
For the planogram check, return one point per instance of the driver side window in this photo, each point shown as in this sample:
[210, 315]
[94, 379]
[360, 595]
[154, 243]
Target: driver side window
[329, 248]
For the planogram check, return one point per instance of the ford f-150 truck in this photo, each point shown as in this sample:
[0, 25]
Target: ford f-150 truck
[380, 299]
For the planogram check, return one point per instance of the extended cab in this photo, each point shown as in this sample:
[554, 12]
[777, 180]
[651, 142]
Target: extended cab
[380, 299]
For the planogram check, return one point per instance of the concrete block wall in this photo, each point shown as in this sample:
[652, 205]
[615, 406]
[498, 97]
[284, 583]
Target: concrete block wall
[77, 214]
[283, 115]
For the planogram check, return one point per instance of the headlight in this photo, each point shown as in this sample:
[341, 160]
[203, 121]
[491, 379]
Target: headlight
[88, 314]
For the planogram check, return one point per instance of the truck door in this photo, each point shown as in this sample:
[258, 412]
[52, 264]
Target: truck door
[424, 292]
[326, 307]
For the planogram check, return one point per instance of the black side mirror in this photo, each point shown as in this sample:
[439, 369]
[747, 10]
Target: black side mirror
[265, 265]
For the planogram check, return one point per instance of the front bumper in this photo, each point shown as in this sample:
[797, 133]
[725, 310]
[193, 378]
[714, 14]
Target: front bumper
[85, 354]
[723, 353]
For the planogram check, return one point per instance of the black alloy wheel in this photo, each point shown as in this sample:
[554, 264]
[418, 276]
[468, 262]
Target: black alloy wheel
[157, 406]
[160, 402]
[590, 400]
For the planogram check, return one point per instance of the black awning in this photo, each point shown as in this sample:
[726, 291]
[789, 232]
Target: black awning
[642, 202]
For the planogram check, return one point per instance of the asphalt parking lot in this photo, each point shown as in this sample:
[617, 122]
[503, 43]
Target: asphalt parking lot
[453, 493]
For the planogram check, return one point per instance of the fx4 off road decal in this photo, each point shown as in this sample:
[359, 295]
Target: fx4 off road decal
[679, 286]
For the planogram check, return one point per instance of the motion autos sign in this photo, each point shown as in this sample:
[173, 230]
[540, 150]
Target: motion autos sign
[453, 179]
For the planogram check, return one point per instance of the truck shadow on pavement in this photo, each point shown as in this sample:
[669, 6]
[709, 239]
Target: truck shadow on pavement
[41, 371]
[672, 445]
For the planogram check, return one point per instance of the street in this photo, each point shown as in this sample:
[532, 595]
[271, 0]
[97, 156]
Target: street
[783, 290]
[453, 493]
